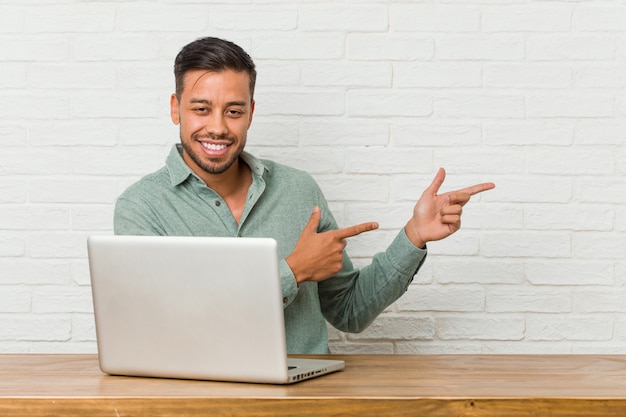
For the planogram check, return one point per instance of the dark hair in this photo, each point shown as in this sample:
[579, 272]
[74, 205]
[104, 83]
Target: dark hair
[212, 54]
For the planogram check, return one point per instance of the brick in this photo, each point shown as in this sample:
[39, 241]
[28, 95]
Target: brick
[12, 191]
[90, 218]
[11, 245]
[534, 18]
[531, 300]
[83, 327]
[62, 300]
[349, 188]
[522, 75]
[72, 190]
[297, 46]
[15, 299]
[33, 271]
[345, 132]
[42, 162]
[575, 217]
[13, 75]
[526, 244]
[389, 216]
[326, 102]
[338, 17]
[462, 243]
[33, 328]
[318, 160]
[569, 273]
[412, 133]
[139, 132]
[600, 133]
[386, 160]
[528, 132]
[434, 18]
[608, 300]
[264, 18]
[117, 161]
[570, 105]
[31, 106]
[29, 48]
[479, 161]
[569, 47]
[341, 73]
[115, 46]
[533, 190]
[608, 245]
[480, 47]
[602, 191]
[397, 327]
[390, 47]
[480, 328]
[120, 104]
[79, 18]
[437, 75]
[553, 328]
[480, 106]
[364, 102]
[34, 217]
[596, 76]
[11, 19]
[13, 135]
[472, 270]
[590, 17]
[135, 18]
[435, 298]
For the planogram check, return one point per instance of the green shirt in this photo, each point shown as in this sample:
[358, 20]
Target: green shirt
[174, 201]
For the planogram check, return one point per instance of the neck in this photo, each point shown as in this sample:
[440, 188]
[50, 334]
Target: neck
[236, 179]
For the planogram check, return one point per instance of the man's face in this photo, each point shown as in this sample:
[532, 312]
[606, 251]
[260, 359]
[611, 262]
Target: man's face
[214, 112]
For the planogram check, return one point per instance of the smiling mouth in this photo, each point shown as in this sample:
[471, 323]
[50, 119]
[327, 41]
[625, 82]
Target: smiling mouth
[213, 146]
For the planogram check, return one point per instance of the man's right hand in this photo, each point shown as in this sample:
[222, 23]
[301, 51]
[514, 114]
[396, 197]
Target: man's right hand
[319, 256]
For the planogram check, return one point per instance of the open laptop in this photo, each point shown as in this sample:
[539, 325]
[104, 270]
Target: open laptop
[206, 308]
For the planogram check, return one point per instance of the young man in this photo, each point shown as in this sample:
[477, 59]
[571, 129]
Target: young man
[211, 187]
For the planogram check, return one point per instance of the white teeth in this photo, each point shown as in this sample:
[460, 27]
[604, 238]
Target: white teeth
[213, 147]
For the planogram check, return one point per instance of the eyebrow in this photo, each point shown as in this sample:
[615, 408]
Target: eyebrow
[209, 102]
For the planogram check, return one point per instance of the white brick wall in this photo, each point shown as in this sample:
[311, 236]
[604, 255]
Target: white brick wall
[371, 97]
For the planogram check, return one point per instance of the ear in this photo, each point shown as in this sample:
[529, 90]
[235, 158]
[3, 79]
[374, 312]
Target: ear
[174, 109]
[251, 113]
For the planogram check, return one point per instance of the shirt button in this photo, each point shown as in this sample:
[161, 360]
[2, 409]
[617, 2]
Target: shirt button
[285, 300]
[217, 203]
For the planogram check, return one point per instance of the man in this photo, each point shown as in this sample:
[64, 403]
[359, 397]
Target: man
[211, 187]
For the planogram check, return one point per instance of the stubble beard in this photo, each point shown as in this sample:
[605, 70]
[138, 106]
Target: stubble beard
[211, 166]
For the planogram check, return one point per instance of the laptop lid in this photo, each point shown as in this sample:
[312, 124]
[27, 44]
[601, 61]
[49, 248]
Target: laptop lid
[191, 307]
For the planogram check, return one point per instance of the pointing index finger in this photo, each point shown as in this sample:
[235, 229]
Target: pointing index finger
[357, 229]
[478, 188]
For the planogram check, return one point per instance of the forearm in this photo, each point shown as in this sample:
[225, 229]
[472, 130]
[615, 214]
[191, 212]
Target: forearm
[353, 299]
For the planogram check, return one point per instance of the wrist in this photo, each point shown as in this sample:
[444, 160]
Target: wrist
[299, 275]
[412, 233]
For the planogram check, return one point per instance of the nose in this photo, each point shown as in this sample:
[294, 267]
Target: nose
[216, 124]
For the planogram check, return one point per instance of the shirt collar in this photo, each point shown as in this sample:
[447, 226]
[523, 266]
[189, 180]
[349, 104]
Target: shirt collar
[180, 171]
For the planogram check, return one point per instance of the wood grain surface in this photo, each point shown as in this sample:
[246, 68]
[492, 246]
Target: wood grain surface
[371, 385]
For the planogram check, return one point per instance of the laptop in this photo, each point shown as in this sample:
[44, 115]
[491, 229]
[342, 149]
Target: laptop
[207, 308]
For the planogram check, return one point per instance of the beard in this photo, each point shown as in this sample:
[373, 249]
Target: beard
[209, 165]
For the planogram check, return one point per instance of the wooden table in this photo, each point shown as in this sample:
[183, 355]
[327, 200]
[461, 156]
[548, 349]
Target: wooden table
[371, 385]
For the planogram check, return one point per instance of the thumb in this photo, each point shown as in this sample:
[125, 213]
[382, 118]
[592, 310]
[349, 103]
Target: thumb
[433, 188]
[314, 221]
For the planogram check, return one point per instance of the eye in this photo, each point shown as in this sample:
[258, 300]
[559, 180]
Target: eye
[234, 112]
